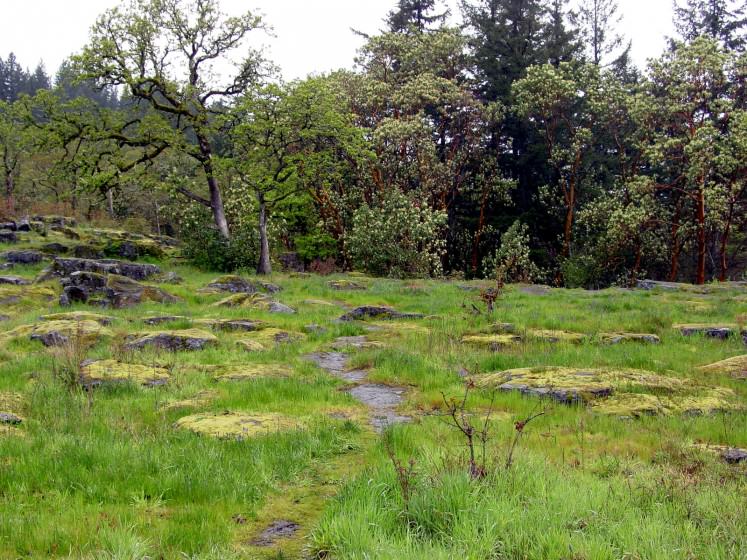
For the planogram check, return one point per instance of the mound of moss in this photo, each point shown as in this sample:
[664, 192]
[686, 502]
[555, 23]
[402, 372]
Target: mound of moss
[104, 320]
[61, 332]
[266, 339]
[620, 337]
[491, 341]
[243, 372]
[188, 339]
[735, 367]
[257, 301]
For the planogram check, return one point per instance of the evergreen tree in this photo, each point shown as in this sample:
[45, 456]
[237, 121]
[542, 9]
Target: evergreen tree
[38, 80]
[721, 20]
[561, 44]
[598, 20]
[415, 15]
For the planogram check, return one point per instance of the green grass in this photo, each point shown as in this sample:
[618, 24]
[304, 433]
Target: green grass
[106, 475]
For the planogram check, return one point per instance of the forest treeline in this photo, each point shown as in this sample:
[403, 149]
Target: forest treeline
[523, 143]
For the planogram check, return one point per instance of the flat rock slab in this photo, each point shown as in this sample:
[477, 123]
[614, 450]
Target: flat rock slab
[722, 331]
[269, 338]
[377, 312]
[190, 339]
[237, 425]
[163, 319]
[278, 530]
[59, 333]
[14, 280]
[136, 271]
[237, 285]
[257, 301]
[357, 342]
[8, 237]
[104, 320]
[383, 401]
[493, 342]
[23, 257]
[248, 372]
[110, 290]
[94, 373]
[346, 285]
[619, 338]
[235, 325]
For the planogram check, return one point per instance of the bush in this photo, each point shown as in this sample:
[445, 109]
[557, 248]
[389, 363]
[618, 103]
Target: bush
[397, 237]
[512, 261]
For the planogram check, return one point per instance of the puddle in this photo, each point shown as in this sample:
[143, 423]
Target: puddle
[382, 400]
[278, 530]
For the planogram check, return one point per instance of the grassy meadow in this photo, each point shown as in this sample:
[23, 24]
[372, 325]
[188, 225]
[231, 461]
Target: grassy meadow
[107, 473]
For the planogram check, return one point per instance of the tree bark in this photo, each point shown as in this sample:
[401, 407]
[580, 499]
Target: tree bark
[263, 266]
[9, 191]
[216, 200]
[110, 202]
[701, 238]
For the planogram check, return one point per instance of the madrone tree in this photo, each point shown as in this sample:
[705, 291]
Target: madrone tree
[169, 56]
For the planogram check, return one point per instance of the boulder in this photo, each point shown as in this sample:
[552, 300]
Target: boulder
[720, 331]
[292, 262]
[14, 280]
[61, 332]
[66, 231]
[137, 271]
[190, 339]
[8, 237]
[377, 312]
[345, 285]
[256, 301]
[23, 225]
[124, 292]
[55, 248]
[245, 325]
[8, 226]
[78, 316]
[11, 409]
[87, 252]
[94, 373]
[170, 278]
[232, 284]
[618, 338]
[23, 257]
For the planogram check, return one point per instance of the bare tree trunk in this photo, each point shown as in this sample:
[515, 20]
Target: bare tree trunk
[263, 266]
[10, 203]
[216, 200]
[701, 239]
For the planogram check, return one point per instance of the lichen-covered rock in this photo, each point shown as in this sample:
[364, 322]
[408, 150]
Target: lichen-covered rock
[110, 290]
[501, 328]
[95, 373]
[377, 312]
[357, 342]
[246, 372]
[78, 316]
[266, 339]
[189, 339]
[55, 248]
[245, 325]
[735, 367]
[59, 333]
[345, 285]
[233, 284]
[618, 338]
[732, 455]
[14, 281]
[200, 400]
[11, 413]
[720, 331]
[23, 257]
[87, 252]
[701, 401]
[494, 342]
[555, 336]
[575, 385]
[31, 296]
[235, 425]
[137, 271]
[169, 278]
[256, 301]
[162, 319]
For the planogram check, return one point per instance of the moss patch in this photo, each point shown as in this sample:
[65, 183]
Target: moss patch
[257, 301]
[266, 339]
[620, 337]
[57, 333]
[492, 341]
[187, 339]
[708, 401]
[79, 316]
[235, 425]
[114, 371]
[735, 367]
[545, 335]
[245, 372]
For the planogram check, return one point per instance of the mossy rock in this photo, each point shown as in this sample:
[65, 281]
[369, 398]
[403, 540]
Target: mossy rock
[575, 385]
[235, 425]
[200, 400]
[501, 328]
[94, 373]
[732, 455]
[245, 325]
[11, 413]
[26, 296]
[104, 320]
[555, 336]
[721, 331]
[318, 303]
[736, 367]
[59, 333]
[257, 301]
[398, 328]
[706, 401]
[266, 339]
[188, 339]
[492, 342]
[244, 372]
[346, 285]
[357, 342]
[620, 337]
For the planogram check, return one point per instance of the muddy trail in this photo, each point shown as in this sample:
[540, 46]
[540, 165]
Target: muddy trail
[382, 400]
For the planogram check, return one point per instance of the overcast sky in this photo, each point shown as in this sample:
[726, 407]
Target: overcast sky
[310, 36]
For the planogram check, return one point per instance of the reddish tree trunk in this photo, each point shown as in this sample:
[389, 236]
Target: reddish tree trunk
[701, 238]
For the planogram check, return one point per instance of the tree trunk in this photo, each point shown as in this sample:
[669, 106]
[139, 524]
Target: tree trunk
[676, 246]
[263, 266]
[723, 257]
[568, 227]
[9, 188]
[701, 238]
[216, 200]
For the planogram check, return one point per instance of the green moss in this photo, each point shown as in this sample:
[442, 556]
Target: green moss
[79, 316]
[266, 339]
[707, 401]
[85, 331]
[234, 425]
[492, 341]
[619, 337]
[735, 367]
[547, 335]
[114, 371]
[250, 371]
